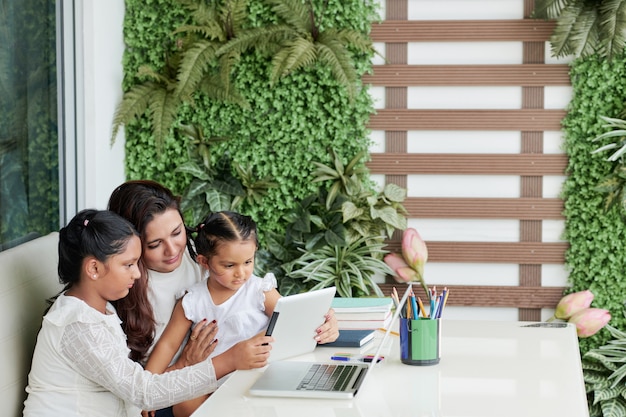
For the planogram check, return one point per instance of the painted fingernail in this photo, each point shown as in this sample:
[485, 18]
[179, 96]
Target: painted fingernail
[213, 321]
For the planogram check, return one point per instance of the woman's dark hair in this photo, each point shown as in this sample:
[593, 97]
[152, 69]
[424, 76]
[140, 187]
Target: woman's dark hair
[97, 233]
[223, 226]
[139, 202]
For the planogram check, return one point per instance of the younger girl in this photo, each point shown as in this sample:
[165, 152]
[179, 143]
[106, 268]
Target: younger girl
[81, 366]
[241, 302]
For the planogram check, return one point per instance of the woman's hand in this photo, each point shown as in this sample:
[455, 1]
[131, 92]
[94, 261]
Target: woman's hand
[329, 331]
[248, 354]
[200, 345]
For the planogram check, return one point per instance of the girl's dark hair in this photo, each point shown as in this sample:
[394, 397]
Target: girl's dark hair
[97, 233]
[139, 202]
[223, 226]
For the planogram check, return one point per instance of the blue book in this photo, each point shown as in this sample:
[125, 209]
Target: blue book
[352, 338]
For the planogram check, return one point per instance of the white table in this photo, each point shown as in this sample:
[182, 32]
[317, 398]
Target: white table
[487, 368]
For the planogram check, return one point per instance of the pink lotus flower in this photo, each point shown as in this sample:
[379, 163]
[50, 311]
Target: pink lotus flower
[401, 268]
[409, 267]
[589, 321]
[573, 303]
[414, 250]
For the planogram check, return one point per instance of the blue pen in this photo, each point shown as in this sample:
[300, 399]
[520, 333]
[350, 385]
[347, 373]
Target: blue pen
[341, 358]
[349, 358]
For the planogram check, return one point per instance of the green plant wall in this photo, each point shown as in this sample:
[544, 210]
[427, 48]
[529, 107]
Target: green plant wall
[597, 254]
[287, 126]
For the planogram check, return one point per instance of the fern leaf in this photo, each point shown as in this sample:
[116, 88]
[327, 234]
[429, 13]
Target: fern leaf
[195, 62]
[563, 41]
[613, 26]
[294, 13]
[548, 9]
[263, 40]
[302, 53]
[134, 103]
[210, 31]
[163, 107]
[337, 58]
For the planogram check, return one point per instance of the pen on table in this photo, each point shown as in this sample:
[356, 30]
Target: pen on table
[343, 358]
[349, 358]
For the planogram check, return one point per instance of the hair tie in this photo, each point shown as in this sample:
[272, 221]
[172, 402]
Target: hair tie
[86, 222]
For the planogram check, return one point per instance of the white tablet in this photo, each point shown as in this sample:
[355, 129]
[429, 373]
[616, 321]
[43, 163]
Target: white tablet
[295, 320]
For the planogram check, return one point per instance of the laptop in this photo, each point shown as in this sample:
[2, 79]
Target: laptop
[295, 320]
[318, 379]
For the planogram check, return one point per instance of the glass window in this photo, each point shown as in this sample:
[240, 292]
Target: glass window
[29, 151]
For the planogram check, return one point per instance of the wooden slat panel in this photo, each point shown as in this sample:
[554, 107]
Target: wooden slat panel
[523, 119]
[535, 75]
[531, 253]
[495, 164]
[527, 30]
[493, 296]
[485, 208]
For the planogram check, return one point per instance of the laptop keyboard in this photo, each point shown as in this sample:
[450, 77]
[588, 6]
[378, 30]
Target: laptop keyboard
[328, 377]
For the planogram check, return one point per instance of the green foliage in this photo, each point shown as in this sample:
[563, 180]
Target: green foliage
[604, 369]
[367, 212]
[214, 187]
[351, 268]
[585, 27]
[300, 39]
[597, 238]
[336, 236]
[287, 124]
[191, 68]
[613, 185]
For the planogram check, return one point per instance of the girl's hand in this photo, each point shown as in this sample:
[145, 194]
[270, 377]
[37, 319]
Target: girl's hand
[252, 353]
[249, 354]
[329, 331]
[200, 345]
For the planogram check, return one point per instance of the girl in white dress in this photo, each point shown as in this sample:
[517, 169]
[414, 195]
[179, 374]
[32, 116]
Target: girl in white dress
[238, 300]
[81, 364]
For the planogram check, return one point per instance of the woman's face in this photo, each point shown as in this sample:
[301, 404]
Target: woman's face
[165, 242]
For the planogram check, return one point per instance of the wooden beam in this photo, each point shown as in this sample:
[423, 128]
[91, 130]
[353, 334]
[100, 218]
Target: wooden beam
[516, 120]
[491, 296]
[527, 75]
[530, 253]
[471, 164]
[522, 30]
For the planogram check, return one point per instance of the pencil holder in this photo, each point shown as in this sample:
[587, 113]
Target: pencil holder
[420, 341]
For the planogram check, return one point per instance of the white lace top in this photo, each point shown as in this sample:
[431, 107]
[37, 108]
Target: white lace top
[239, 318]
[81, 368]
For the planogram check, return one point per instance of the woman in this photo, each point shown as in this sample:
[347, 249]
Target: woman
[168, 270]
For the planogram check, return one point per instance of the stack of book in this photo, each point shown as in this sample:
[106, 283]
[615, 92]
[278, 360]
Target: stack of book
[362, 313]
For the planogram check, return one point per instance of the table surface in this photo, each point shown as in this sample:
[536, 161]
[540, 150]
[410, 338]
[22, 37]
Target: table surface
[486, 369]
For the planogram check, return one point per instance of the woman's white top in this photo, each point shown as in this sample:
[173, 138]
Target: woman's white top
[81, 368]
[164, 289]
[238, 318]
